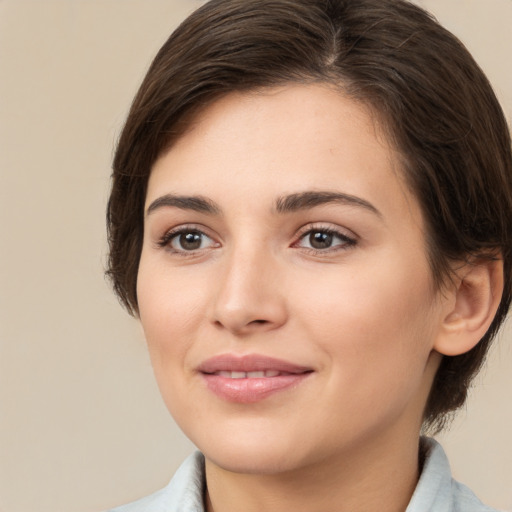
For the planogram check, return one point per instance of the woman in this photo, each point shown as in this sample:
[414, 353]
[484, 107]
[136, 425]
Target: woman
[311, 215]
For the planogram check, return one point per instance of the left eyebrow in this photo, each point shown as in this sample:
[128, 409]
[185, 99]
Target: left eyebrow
[310, 199]
[195, 203]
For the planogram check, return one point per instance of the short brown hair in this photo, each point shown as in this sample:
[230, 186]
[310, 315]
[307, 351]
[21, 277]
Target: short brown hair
[437, 105]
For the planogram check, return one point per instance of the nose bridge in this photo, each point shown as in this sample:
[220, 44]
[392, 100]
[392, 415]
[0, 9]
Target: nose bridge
[249, 295]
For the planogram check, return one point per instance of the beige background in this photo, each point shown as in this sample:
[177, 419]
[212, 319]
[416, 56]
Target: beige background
[81, 424]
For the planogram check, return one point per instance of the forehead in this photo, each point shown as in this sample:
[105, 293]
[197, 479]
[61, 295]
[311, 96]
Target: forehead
[283, 140]
[293, 111]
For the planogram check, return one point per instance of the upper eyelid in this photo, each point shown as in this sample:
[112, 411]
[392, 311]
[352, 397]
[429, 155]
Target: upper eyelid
[299, 233]
[165, 241]
[192, 226]
[164, 237]
[329, 227]
[345, 243]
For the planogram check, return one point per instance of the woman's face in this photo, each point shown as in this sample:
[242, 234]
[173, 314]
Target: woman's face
[283, 286]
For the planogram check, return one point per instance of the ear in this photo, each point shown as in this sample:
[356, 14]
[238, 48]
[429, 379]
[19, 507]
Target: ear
[471, 306]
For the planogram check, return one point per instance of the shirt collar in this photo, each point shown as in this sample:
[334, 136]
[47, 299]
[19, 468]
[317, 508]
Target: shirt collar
[434, 486]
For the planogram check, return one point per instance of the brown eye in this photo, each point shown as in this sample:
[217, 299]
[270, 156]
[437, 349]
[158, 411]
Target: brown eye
[320, 239]
[190, 240]
[325, 240]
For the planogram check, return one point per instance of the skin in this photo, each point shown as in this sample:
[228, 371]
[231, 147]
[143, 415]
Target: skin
[362, 313]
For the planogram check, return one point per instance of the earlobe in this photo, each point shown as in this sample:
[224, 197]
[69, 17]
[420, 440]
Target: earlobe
[475, 297]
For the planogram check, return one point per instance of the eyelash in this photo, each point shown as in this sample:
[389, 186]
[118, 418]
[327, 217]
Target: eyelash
[167, 239]
[346, 241]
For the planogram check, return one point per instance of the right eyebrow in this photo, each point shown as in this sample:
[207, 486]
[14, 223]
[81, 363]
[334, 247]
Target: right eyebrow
[310, 199]
[195, 203]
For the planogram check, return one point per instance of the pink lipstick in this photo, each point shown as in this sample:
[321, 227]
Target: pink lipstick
[250, 378]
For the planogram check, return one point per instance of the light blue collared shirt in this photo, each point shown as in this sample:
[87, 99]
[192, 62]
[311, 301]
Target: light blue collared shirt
[436, 491]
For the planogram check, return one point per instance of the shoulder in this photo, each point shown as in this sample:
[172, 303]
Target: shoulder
[153, 503]
[437, 490]
[184, 493]
[466, 501]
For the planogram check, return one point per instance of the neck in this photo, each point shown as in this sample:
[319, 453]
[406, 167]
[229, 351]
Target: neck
[380, 477]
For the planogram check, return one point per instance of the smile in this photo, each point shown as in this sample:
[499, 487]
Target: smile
[249, 375]
[251, 378]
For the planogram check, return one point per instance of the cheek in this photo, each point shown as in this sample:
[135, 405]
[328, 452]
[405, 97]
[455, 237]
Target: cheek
[371, 315]
[169, 310]
[376, 338]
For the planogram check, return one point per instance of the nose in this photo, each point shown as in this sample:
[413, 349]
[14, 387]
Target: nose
[250, 297]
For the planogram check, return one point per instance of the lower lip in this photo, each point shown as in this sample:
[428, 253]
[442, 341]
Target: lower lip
[248, 391]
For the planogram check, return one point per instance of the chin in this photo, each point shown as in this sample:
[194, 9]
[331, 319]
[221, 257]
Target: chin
[257, 461]
[252, 454]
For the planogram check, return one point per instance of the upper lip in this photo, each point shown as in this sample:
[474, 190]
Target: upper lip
[249, 363]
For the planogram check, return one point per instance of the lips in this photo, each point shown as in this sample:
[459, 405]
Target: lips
[250, 378]
[248, 375]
